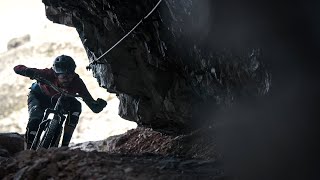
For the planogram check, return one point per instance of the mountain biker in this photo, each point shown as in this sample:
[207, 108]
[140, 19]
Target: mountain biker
[42, 96]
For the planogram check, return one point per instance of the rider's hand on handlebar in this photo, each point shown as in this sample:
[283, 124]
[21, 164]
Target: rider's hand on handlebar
[98, 105]
[95, 105]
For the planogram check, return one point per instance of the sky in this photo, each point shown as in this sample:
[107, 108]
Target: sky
[20, 17]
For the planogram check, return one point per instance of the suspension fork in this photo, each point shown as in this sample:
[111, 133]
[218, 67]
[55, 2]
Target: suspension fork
[41, 127]
[57, 137]
[58, 116]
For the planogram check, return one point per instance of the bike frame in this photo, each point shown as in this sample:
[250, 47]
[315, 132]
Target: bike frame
[57, 116]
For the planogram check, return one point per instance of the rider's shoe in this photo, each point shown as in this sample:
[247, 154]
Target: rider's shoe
[66, 139]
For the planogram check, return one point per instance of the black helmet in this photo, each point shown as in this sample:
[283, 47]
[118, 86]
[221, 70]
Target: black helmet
[64, 65]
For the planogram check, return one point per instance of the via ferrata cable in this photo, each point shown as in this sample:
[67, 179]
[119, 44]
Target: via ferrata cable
[144, 18]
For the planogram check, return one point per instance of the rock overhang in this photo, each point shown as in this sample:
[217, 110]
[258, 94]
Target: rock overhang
[177, 68]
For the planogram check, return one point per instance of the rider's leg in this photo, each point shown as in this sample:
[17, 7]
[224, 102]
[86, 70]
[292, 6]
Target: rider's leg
[35, 117]
[71, 121]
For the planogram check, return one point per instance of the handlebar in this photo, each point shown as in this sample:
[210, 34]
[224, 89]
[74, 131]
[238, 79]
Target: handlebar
[59, 90]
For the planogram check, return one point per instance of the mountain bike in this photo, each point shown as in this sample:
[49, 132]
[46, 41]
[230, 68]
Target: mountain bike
[50, 129]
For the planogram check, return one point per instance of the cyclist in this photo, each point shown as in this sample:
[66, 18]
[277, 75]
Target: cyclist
[42, 96]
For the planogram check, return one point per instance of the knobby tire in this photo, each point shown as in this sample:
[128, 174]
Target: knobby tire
[49, 135]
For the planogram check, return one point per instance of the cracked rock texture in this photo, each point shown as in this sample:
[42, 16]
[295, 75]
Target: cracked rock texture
[171, 73]
[143, 141]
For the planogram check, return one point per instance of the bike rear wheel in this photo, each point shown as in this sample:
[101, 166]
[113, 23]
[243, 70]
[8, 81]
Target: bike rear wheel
[50, 133]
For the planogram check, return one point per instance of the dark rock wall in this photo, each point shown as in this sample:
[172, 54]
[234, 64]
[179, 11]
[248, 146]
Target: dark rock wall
[187, 60]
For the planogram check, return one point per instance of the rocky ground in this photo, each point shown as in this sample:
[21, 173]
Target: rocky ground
[147, 141]
[76, 164]
[138, 154]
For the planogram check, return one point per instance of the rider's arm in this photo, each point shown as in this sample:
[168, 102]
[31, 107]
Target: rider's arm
[95, 105]
[31, 72]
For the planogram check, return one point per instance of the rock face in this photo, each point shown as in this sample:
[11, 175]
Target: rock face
[171, 73]
[10, 143]
[144, 141]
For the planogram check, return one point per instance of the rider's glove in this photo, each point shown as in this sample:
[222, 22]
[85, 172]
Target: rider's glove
[99, 105]
[102, 103]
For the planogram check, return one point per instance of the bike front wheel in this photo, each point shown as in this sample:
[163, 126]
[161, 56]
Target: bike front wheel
[49, 137]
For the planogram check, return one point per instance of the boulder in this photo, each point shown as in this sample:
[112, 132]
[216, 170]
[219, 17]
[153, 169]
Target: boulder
[139, 141]
[11, 143]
